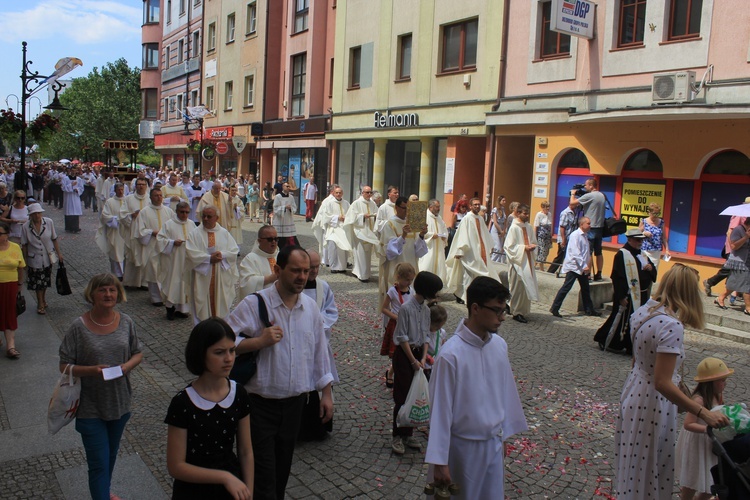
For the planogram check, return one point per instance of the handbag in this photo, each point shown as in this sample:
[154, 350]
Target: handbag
[61, 280]
[20, 303]
[613, 226]
[416, 408]
[246, 364]
[63, 405]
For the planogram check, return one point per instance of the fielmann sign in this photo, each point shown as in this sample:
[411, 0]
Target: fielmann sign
[573, 17]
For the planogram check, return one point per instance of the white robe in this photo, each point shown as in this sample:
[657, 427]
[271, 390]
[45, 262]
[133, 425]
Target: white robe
[225, 272]
[323, 297]
[283, 219]
[150, 219]
[222, 204]
[521, 273]
[195, 196]
[331, 233]
[110, 237]
[72, 195]
[385, 212]
[319, 230]
[168, 191]
[253, 270]
[364, 238]
[474, 406]
[468, 243]
[396, 250]
[133, 275]
[235, 221]
[172, 276]
[435, 238]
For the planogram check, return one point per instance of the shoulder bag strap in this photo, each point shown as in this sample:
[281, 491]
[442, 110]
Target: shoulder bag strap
[262, 311]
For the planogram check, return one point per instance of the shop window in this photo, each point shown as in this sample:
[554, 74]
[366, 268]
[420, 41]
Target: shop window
[575, 158]
[573, 168]
[404, 57]
[632, 23]
[459, 47]
[211, 37]
[643, 161]
[553, 44]
[685, 19]
[251, 18]
[299, 78]
[728, 163]
[301, 9]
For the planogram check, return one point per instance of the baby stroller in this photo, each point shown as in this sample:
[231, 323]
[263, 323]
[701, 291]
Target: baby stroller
[732, 474]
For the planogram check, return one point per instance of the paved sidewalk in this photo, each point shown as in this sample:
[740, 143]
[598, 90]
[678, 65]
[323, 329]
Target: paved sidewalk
[570, 391]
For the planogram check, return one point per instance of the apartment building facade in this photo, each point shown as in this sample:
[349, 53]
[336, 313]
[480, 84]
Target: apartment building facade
[151, 36]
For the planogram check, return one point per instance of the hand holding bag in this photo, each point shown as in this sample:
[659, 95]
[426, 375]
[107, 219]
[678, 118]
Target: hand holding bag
[61, 280]
[20, 303]
[63, 405]
[416, 409]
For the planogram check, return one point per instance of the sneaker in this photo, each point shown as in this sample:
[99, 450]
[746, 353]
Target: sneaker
[732, 300]
[707, 288]
[413, 442]
[598, 277]
[398, 445]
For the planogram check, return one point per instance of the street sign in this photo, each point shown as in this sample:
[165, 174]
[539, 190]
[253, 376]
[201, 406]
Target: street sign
[239, 142]
[222, 148]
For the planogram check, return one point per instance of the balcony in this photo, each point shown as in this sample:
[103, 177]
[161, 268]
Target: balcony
[181, 69]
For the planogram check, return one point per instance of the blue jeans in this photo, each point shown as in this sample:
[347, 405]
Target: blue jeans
[570, 279]
[101, 439]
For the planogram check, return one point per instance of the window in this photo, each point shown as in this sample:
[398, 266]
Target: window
[330, 80]
[230, 27]
[167, 56]
[180, 51]
[211, 37]
[299, 75]
[150, 11]
[180, 106]
[172, 107]
[685, 19]
[228, 90]
[404, 57]
[193, 98]
[249, 90]
[150, 103]
[150, 56]
[355, 67]
[301, 8]
[169, 11]
[182, 7]
[196, 3]
[252, 18]
[632, 23]
[166, 109]
[196, 43]
[460, 46]
[553, 44]
[210, 97]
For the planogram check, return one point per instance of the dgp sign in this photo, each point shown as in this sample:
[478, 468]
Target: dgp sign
[573, 17]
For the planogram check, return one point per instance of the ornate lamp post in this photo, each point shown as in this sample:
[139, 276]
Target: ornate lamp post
[188, 132]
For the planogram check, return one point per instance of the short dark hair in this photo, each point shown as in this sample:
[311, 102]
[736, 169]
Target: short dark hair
[427, 284]
[400, 200]
[204, 335]
[484, 289]
[522, 208]
[283, 257]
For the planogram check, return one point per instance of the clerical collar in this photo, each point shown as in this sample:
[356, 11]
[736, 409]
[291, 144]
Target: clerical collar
[310, 285]
[284, 195]
[404, 293]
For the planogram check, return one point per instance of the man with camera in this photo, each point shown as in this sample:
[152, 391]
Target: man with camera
[593, 204]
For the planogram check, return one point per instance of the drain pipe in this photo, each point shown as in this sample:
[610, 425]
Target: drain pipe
[500, 95]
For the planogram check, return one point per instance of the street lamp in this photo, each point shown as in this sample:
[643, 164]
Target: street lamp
[30, 78]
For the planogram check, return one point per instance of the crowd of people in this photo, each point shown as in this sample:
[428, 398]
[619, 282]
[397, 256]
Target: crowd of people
[178, 237]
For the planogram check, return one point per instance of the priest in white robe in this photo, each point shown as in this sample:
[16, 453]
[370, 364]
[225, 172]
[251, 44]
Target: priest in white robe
[257, 268]
[387, 209]
[360, 219]
[149, 223]
[134, 203]
[171, 244]
[110, 237]
[284, 208]
[335, 236]
[173, 192]
[400, 243]
[237, 209]
[470, 253]
[474, 402]
[72, 188]
[319, 229]
[436, 238]
[220, 200]
[320, 291]
[212, 262]
[520, 248]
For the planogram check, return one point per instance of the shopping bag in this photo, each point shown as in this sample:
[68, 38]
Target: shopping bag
[63, 404]
[739, 421]
[416, 409]
[61, 280]
[20, 303]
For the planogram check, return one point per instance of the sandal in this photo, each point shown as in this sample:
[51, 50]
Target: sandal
[12, 353]
[746, 312]
[720, 306]
[40, 310]
[388, 381]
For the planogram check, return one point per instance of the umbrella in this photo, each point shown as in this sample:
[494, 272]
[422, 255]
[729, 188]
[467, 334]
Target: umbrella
[740, 210]
[64, 160]
[615, 325]
[75, 162]
[97, 164]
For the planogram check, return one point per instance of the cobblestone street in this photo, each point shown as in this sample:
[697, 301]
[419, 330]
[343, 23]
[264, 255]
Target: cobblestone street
[569, 389]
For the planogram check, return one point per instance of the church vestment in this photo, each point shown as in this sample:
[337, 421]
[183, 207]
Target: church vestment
[110, 237]
[335, 237]
[168, 191]
[364, 238]
[151, 219]
[284, 208]
[133, 274]
[172, 270]
[254, 268]
[396, 249]
[72, 189]
[222, 204]
[521, 273]
[235, 220]
[385, 212]
[435, 238]
[473, 244]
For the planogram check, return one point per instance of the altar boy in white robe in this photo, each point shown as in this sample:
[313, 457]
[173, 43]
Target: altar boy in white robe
[474, 400]
[171, 242]
[520, 248]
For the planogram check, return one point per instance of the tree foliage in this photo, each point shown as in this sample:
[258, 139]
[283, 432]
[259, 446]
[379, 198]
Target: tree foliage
[106, 104]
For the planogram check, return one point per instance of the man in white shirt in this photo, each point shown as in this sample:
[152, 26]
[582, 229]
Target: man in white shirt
[110, 237]
[257, 268]
[148, 225]
[387, 209]
[474, 402]
[171, 243]
[292, 361]
[310, 193]
[360, 219]
[576, 265]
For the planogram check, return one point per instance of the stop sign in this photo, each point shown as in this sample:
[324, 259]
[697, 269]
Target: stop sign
[222, 148]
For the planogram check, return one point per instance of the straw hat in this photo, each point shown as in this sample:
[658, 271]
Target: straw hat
[712, 369]
[635, 234]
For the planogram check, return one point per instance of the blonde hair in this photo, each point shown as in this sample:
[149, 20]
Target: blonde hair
[679, 293]
[513, 206]
[654, 207]
[104, 279]
[404, 270]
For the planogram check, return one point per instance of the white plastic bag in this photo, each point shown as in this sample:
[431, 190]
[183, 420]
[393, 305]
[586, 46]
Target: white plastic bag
[63, 404]
[416, 409]
[739, 421]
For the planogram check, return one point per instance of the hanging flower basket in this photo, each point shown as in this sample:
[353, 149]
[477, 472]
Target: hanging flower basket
[43, 124]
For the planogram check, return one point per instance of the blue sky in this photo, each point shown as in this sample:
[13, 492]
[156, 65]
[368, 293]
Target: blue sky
[95, 31]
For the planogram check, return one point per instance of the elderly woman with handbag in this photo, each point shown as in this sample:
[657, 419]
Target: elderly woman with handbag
[41, 251]
[11, 279]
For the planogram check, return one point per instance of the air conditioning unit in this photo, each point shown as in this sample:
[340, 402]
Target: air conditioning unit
[673, 87]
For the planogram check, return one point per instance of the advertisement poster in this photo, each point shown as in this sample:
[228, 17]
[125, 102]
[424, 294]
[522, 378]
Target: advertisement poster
[450, 168]
[307, 174]
[636, 198]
